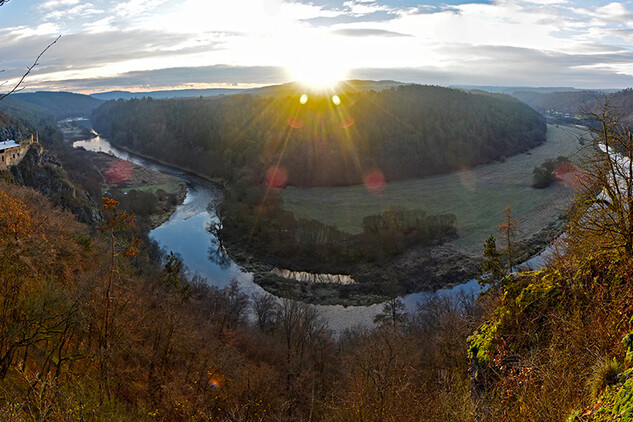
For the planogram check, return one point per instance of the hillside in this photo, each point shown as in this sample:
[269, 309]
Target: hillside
[402, 132]
[574, 104]
[12, 129]
[564, 102]
[89, 333]
[623, 101]
[176, 93]
[95, 326]
[558, 344]
[352, 85]
[41, 107]
[512, 89]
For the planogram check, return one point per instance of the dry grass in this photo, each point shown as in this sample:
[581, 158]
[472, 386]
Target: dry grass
[477, 196]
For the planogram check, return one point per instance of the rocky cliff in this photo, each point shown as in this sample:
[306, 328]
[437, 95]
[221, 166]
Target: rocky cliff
[41, 170]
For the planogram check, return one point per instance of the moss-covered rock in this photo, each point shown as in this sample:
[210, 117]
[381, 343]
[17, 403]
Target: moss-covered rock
[482, 343]
[542, 293]
[614, 404]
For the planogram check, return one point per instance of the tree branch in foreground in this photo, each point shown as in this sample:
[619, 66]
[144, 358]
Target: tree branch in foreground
[16, 87]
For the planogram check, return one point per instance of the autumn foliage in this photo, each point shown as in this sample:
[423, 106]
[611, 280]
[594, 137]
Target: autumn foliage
[91, 332]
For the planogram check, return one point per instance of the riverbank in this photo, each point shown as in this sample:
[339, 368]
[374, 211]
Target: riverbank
[218, 181]
[126, 177]
[424, 269]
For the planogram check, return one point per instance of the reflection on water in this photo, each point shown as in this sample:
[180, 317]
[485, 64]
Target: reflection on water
[218, 255]
[186, 234]
[99, 144]
[314, 278]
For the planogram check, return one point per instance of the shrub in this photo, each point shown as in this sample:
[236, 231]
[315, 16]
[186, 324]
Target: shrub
[544, 174]
[605, 373]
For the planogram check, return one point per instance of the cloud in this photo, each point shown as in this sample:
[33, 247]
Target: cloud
[52, 4]
[477, 65]
[137, 7]
[40, 30]
[457, 41]
[105, 52]
[73, 13]
[579, 78]
[343, 18]
[368, 32]
[501, 65]
[175, 77]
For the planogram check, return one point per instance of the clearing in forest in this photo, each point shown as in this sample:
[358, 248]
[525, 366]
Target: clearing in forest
[476, 196]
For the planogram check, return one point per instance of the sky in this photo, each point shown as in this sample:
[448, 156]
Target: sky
[144, 45]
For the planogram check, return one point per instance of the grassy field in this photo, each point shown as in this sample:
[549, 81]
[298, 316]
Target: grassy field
[477, 196]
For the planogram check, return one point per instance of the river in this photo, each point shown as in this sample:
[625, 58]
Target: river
[185, 234]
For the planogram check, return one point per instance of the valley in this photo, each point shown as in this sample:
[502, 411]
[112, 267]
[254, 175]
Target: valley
[477, 196]
[305, 211]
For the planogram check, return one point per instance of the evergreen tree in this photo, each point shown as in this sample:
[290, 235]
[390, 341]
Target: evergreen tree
[491, 267]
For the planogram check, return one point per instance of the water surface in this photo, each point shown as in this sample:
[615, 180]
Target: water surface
[186, 234]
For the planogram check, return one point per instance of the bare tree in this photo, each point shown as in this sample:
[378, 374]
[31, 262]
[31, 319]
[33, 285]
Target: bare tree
[509, 228]
[604, 211]
[265, 307]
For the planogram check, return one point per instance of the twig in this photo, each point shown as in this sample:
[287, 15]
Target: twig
[30, 68]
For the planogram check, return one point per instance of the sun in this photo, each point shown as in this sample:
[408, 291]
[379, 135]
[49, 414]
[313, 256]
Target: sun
[318, 70]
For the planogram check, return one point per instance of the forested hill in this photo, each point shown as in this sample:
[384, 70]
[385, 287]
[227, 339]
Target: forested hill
[563, 102]
[47, 107]
[576, 102]
[403, 132]
[12, 129]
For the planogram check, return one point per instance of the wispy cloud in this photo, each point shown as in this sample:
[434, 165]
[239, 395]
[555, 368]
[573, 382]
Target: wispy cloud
[137, 7]
[73, 13]
[342, 18]
[51, 4]
[368, 32]
[544, 42]
[180, 77]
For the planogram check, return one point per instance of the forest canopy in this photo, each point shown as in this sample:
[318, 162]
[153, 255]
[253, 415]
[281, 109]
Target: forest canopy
[326, 140]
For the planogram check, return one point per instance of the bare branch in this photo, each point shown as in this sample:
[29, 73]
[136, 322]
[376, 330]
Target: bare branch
[30, 68]
[605, 209]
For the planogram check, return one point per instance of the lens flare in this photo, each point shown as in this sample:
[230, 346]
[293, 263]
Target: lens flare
[303, 99]
[349, 122]
[566, 174]
[336, 100]
[118, 173]
[295, 123]
[467, 178]
[276, 177]
[375, 181]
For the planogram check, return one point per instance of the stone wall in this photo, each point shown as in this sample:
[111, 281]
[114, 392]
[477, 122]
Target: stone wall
[13, 156]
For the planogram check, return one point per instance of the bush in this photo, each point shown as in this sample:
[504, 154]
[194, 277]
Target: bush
[605, 373]
[545, 173]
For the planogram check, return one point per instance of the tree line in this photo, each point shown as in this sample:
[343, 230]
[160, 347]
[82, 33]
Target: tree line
[406, 131]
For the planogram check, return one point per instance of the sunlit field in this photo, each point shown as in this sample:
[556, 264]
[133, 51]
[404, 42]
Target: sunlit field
[477, 196]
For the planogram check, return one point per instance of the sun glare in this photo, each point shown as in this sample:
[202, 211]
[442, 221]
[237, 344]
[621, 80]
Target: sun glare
[318, 72]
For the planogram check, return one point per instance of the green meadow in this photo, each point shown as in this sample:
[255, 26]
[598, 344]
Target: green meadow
[476, 196]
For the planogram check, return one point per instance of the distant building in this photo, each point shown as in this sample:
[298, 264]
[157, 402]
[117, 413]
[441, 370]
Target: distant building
[11, 152]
